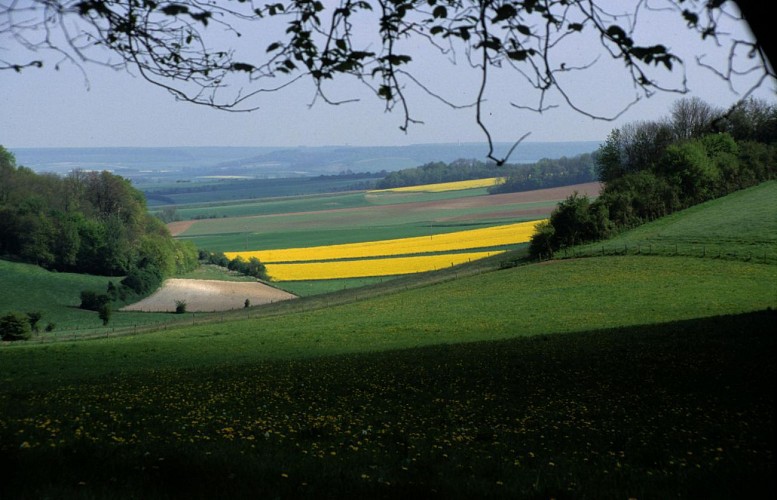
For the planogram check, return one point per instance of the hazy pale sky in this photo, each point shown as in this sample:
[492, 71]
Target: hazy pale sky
[56, 108]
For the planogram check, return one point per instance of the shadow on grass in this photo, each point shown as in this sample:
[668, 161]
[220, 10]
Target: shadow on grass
[684, 409]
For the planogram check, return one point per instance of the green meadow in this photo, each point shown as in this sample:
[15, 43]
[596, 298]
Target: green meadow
[27, 288]
[743, 225]
[612, 376]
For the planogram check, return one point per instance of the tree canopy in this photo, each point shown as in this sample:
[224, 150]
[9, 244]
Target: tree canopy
[651, 169]
[91, 222]
[182, 46]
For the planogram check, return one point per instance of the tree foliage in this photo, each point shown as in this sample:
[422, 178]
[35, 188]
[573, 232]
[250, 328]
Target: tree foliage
[104, 313]
[15, 326]
[548, 173]
[90, 222]
[376, 42]
[437, 172]
[544, 173]
[712, 153]
[251, 267]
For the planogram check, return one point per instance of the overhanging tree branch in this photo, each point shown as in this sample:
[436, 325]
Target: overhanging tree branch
[175, 45]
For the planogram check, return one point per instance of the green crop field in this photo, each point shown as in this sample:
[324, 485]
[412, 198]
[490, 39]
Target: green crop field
[246, 238]
[237, 190]
[357, 217]
[312, 203]
[616, 376]
[272, 206]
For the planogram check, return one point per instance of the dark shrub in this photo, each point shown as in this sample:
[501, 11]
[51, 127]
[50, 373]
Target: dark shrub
[33, 318]
[143, 279]
[14, 326]
[92, 301]
[105, 312]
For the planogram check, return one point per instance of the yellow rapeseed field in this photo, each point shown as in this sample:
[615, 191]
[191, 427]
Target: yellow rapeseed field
[489, 237]
[444, 186]
[303, 271]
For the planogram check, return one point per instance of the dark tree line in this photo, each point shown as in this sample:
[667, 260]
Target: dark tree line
[651, 169]
[545, 173]
[87, 222]
[251, 267]
[548, 173]
[437, 172]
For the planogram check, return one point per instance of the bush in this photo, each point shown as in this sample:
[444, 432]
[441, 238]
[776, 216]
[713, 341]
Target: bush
[541, 245]
[93, 301]
[105, 313]
[33, 318]
[217, 258]
[15, 326]
[112, 291]
[576, 220]
[143, 279]
[180, 306]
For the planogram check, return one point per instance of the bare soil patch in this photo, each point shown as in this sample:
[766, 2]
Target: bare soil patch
[179, 227]
[208, 296]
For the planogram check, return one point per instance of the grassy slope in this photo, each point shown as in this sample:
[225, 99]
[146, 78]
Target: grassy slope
[741, 225]
[26, 287]
[563, 296]
[680, 410]
[301, 405]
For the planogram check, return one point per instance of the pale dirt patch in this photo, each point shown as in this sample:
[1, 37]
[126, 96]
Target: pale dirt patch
[208, 296]
[179, 227]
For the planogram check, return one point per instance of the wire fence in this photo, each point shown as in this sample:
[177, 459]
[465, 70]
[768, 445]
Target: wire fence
[759, 254]
[78, 332]
[344, 296]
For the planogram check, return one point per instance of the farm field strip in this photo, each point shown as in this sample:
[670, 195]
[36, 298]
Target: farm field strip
[272, 206]
[363, 268]
[445, 186]
[479, 209]
[489, 237]
[366, 217]
[389, 197]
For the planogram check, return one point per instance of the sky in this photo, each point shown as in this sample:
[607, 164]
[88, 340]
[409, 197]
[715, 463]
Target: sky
[94, 106]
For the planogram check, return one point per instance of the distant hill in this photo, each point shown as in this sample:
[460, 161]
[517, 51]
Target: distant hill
[155, 165]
